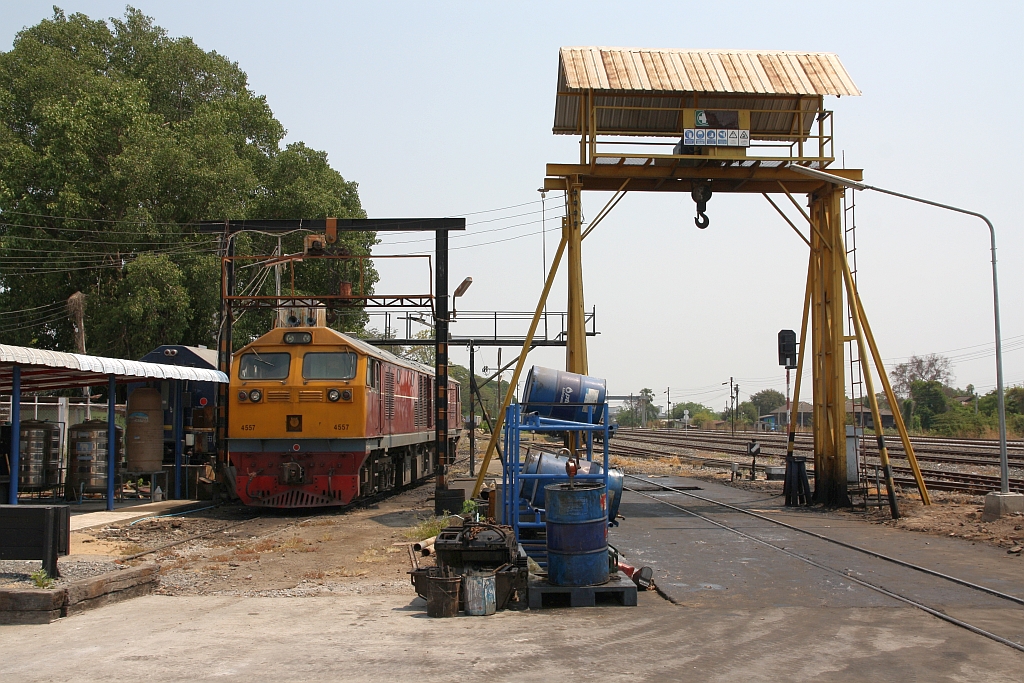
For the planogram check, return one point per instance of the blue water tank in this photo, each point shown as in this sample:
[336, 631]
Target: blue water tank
[577, 534]
[540, 462]
[544, 385]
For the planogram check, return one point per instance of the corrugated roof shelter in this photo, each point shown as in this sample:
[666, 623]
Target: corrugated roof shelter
[630, 85]
[39, 370]
[42, 370]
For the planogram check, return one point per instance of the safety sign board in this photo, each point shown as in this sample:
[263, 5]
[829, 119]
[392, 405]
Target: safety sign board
[716, 137]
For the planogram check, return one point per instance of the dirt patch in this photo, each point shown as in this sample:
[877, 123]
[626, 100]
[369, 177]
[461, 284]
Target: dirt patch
[266, 552]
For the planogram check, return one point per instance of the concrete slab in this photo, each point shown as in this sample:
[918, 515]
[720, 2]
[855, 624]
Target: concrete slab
[85, 520]
[373, 638]
[700, 565]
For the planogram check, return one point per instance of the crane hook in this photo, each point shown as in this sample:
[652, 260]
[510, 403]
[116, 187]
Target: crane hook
[701, 193]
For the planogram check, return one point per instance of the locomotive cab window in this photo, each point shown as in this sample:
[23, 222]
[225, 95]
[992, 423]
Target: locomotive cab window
[372, 372]
[341, 365]
[264, 365]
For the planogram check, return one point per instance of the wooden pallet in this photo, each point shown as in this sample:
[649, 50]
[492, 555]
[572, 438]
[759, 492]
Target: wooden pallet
[618, 591]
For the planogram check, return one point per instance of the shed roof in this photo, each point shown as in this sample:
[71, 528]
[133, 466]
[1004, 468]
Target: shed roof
[755, 72]
[639, 91]
[42, 370]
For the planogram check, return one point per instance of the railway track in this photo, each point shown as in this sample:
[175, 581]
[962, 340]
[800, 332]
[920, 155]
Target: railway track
[926, 449]
[749, 532]
[936, 480]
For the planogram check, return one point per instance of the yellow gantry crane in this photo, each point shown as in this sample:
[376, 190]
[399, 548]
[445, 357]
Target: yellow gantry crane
[713, 122]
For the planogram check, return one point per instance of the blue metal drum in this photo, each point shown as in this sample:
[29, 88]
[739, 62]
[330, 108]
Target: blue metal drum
[544, 385]
[540, 462]
[577, 534]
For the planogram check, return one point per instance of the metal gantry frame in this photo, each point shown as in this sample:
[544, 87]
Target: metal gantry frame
[652, 105]
[519, 512]
[330, 227]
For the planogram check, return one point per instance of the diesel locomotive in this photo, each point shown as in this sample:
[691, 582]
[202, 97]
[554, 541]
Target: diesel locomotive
[319, 418]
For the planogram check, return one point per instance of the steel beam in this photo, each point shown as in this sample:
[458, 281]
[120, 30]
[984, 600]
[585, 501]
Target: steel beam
[12, 490]
[572, 232]
[340, 224]
[827, 342]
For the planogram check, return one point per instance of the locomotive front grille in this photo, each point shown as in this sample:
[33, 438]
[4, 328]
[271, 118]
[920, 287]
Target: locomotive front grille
[309, 396]
[279, 395]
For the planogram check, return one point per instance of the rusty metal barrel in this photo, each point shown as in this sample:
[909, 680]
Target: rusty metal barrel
[577, 534]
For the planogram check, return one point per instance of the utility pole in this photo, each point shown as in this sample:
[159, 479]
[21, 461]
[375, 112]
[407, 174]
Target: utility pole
[732, 404]
[788, 408]
[668, 410]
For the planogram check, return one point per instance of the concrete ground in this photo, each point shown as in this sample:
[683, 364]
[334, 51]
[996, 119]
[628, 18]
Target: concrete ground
[741, 612]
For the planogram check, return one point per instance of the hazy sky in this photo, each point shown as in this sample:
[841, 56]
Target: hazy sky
[446, 109]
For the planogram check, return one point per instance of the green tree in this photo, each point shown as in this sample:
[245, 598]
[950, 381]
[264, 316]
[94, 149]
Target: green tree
[767, 400]
[929, 400]
[930, 368]
[113, 138]
[679, 409]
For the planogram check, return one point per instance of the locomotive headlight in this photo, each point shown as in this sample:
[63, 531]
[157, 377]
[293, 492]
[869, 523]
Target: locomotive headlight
[242, 396]
[333, 395]
[255, 395]
[346, 395]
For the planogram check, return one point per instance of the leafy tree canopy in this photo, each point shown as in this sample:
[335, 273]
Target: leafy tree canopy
[930, 368]
[767, 400]
[113, 137]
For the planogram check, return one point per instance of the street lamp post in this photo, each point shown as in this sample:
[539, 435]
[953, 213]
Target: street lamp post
[1004, 502]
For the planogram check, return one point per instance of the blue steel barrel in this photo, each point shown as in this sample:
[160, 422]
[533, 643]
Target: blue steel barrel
[544, 385]
[577, 534]
[541, 462]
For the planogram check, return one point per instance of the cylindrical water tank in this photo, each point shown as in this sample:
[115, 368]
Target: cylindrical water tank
[87, 455]
[578, 392]
[145, 436]
[540, 462]
[577, 534]
[35, 447]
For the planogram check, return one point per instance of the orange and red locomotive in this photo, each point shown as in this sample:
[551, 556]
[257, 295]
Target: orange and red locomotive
[321, 418]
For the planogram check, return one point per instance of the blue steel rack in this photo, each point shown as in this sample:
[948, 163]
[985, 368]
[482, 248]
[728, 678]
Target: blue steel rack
[521, 513]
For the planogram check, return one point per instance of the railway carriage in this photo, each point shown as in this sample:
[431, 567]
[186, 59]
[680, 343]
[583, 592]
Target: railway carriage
[319, 418]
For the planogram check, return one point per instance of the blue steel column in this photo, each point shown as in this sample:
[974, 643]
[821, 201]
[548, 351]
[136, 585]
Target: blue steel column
[178, 417]
[111, 442]
[15, 433]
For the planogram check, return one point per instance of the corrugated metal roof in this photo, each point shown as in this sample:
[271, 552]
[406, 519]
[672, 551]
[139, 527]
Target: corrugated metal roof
[42, 369]
[754, 72]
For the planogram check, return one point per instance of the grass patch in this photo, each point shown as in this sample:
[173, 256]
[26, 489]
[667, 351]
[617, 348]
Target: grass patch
[318, 522]
[315, 574]
[131, 549]
[371, 555]
[431, 526]
[326, 538]
[293, 542]
[265, 546]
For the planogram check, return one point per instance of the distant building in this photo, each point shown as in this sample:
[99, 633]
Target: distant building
[805, 418]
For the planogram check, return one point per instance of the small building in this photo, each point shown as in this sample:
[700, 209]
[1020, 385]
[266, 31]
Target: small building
[804, 416]
[861, 415]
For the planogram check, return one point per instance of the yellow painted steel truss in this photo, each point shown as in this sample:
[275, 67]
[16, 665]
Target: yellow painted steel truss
[830, 287]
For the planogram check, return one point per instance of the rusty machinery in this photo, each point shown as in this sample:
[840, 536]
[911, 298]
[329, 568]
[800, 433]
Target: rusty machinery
[711, 123]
